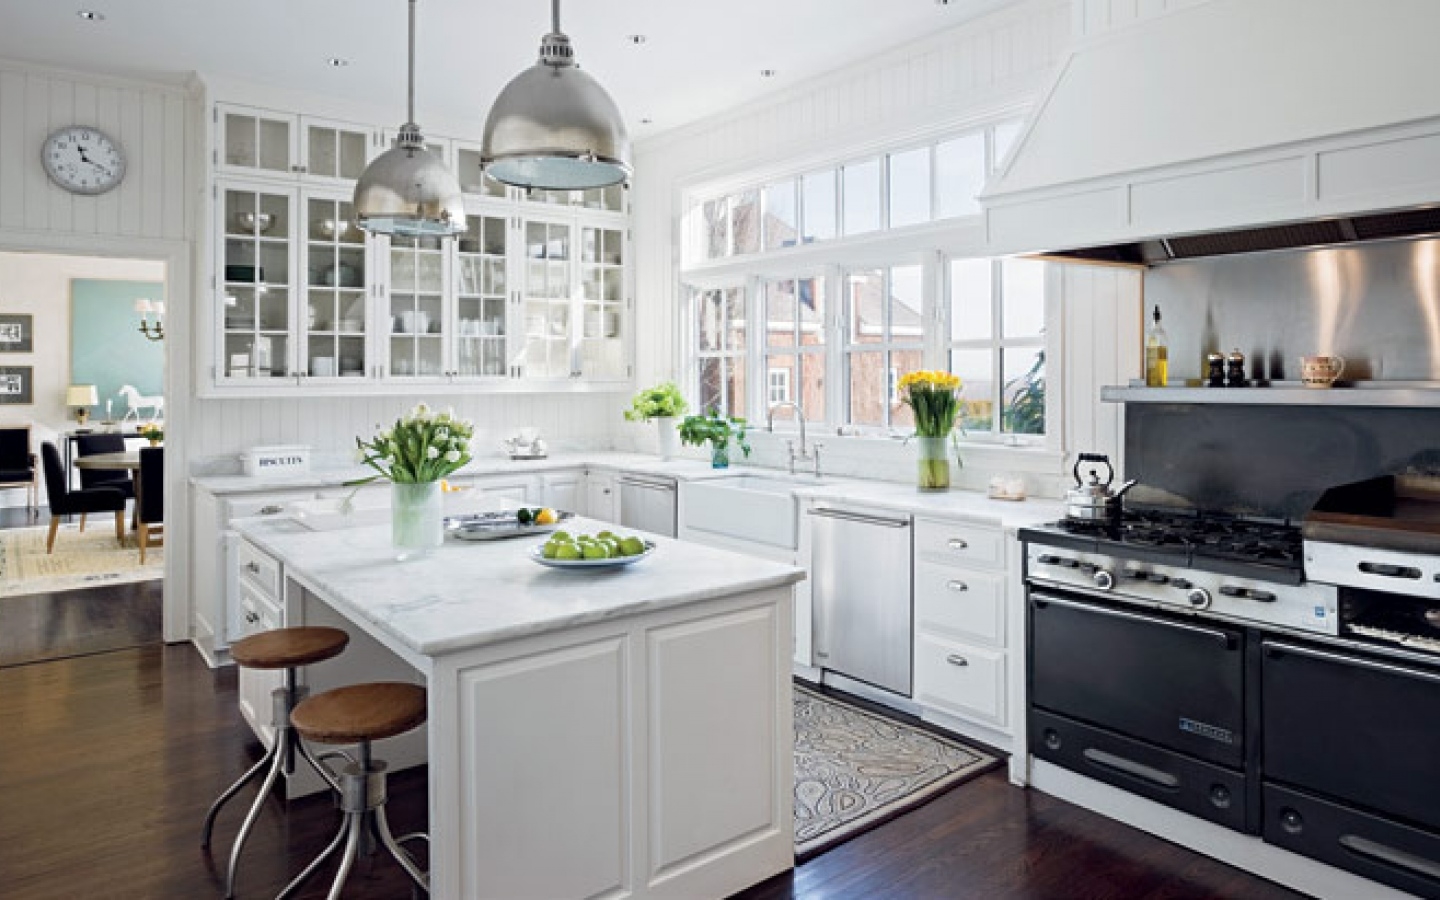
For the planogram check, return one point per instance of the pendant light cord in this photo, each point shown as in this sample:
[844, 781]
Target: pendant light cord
[410, 84]
[555, 16]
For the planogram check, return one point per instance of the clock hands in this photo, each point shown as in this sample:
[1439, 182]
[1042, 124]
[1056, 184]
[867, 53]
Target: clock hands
[88, 161]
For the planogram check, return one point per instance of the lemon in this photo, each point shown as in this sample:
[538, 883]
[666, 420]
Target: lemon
[546, 517]
[567, 551]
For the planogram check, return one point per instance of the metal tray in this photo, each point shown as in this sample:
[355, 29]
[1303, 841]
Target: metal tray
[613, 562]
[494, 526]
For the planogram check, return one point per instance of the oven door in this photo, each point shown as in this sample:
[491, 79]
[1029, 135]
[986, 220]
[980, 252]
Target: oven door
[1174, 684]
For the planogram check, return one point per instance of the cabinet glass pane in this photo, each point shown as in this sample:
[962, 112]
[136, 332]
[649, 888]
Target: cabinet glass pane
[417, 267]
[274, 145]
[255, 284]
[480, 332]
[472, 177]
[256, 143]
[241, 140]
[335, 291]
[602, 348]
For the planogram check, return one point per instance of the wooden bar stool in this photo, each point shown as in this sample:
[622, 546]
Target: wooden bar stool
[281, 648]
[359, 714]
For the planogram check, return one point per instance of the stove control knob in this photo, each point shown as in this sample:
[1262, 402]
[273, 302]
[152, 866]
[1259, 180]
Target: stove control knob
[1199, 598]
[1181, 583]
[1103, 580]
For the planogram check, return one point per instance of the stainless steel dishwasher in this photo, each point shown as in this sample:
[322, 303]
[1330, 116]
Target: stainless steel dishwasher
[647, 502]
[861, 571]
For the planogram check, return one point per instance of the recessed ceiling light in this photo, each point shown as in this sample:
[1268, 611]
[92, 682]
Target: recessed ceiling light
[768, 73]
[91, 15]
[647, 121]
[636, 39]
[337, 62]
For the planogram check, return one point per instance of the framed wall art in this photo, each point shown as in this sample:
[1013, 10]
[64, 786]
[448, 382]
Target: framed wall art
[17, 385]
[17, 333]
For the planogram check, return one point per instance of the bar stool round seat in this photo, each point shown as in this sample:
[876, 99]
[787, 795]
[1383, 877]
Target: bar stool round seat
[284, 648]
[287, 649]
[360, 712]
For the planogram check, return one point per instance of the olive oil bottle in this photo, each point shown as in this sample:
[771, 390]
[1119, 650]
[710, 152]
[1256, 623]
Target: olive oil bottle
[1157, 354]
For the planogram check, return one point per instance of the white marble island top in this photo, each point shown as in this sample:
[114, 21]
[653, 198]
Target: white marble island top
[471, 593]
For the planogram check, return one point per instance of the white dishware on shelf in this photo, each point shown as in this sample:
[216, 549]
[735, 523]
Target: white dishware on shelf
[322, 366]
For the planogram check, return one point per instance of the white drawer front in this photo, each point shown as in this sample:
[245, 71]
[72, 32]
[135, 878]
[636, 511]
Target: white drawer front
[260, 570]
[967, 545]
[257, 613]
[962, 603]
[960, 679]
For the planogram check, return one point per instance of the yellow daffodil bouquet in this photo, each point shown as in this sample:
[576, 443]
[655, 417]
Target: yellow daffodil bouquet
[935, 399]
[423, 446]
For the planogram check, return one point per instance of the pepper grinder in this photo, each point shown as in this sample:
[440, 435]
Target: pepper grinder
[1216, 377]
[1235, 369]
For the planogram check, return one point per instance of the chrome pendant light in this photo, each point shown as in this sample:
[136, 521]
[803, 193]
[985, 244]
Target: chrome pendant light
[554, 127]
[407, 190]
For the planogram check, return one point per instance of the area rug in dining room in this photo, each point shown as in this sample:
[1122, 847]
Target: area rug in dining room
[81, 559]
[855, 769]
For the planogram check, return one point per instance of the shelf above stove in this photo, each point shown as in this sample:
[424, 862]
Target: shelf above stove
[1401, 394]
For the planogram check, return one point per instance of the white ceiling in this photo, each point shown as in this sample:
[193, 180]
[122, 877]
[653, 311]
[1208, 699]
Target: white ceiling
[698, 59]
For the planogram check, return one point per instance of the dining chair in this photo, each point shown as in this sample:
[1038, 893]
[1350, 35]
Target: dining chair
[65, 502]
[90, 444]
[17, 463]
[150, 497]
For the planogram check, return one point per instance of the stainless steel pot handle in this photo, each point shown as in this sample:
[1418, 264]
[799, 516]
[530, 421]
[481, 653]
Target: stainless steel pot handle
[1213, 633]
[1274, 648]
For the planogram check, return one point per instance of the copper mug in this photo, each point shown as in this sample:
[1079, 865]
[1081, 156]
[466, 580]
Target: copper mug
[1320, 371]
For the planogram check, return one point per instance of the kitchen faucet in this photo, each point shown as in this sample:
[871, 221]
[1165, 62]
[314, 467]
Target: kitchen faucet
[804, 453]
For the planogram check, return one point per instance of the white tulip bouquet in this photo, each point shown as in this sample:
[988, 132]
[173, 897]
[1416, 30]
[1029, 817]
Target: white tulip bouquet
[421, 447]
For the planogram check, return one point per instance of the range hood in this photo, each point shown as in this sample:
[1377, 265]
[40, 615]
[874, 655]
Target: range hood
[1231, 126]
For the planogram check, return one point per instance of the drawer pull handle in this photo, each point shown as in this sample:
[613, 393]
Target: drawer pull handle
[958, 586]
[956, 659]
[958, 544]
[271, 509]
[252, 567]
[251, 617]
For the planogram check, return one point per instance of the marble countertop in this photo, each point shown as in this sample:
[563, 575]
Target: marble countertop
[471, 593]
[969, 505]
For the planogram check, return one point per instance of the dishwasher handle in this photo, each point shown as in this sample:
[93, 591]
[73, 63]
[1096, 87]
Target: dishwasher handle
[884, 521]
[647, 484]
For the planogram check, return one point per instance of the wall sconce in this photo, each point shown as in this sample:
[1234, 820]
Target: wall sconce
[154, 330]
[80, 397]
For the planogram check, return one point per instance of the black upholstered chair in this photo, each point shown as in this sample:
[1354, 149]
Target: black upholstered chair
[150, 497]
[17, 463]
[89, 445]
[65, 502]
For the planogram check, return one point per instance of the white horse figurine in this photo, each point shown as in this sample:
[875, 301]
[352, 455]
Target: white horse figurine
[138, 401]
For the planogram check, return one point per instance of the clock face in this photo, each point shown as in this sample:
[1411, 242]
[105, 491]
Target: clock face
[83, 160]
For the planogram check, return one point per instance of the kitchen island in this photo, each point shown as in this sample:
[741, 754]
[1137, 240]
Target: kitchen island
[613, 732]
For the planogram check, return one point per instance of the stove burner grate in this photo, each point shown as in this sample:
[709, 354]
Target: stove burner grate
[1199, 535]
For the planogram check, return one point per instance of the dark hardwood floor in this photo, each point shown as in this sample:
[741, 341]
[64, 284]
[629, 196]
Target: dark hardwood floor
[38, 627]
[109, 761]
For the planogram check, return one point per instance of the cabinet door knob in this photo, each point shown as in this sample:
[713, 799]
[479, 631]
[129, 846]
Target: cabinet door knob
[958, 586]
[958, 544]
[271, 510]
[956, 659]
[251, 617]
[253, 567]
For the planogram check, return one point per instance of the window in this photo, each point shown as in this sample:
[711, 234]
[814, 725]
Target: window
[818, 203]
[719, 339]
[795, 342]
[780, 224]
[884, 339]
[861, 199]
[997, 344]
[960, 172]
[909, 187]
[778, 387]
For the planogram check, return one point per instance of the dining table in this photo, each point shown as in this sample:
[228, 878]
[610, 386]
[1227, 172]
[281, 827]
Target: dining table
[119, 461]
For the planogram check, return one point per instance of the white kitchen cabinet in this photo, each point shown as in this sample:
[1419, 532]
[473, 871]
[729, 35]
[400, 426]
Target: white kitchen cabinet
[256, 227]
[335, 304]
[260, 606]
[269, 143]
[574, 301]
[564, 491]
[601, 497]
[964, 680]
[519, 488]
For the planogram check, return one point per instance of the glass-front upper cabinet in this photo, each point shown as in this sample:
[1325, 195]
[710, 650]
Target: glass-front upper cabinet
[480, 326]
[602, 303]
[610, 198]
[255, 140]
[262, 142]
[335, 319]
[255, 282]
[413, 315]
[336, 150]
[472, 178]
[547, 300]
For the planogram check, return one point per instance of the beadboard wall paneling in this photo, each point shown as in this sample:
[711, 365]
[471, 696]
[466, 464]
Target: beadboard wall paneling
[148, 121]
[1095, 17]
[1101, 309]
[330, 425]
[998, 61]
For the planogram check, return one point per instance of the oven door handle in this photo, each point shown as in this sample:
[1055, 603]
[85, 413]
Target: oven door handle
[1274, 649]
[1215, 634]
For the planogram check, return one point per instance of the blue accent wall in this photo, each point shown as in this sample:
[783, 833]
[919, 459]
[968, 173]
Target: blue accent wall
[106, 346]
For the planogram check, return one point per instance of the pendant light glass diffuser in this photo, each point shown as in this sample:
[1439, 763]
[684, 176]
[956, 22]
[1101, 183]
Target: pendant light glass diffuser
[554, 127]
[407, 190]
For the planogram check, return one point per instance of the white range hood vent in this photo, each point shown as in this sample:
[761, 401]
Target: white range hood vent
[1232, 126]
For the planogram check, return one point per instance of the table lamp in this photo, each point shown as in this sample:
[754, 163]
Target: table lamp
[81, 397]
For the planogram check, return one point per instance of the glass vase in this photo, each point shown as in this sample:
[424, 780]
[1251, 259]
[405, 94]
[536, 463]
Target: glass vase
[720, 456]
[416, 518]
[933, 465]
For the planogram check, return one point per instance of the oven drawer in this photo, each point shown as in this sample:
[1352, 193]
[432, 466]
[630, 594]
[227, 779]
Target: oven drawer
[1353, 728]
[980, 546]
[968, 605]
[964, 681]
[1163, 680]
[1189, 785]
[1379, 849]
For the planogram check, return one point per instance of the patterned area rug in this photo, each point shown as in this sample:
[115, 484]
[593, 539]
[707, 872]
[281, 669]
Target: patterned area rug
[855, 770]
[80, 560]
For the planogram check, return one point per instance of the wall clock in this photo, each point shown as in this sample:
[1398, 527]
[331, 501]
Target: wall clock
[83, 160]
